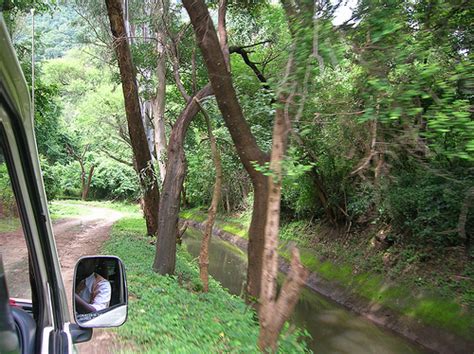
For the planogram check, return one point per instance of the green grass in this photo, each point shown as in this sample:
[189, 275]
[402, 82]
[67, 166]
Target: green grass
[9, 224]
[435, 311]
[230, 225]
[195, 214]
[364, 274]
[60, 209]
[65, 209]
[125, 207]
[170, 314]
[233, 229]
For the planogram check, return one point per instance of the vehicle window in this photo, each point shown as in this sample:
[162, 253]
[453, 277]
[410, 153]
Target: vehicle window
[12, 241]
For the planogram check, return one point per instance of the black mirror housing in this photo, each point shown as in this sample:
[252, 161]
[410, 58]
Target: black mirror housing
[100, 296]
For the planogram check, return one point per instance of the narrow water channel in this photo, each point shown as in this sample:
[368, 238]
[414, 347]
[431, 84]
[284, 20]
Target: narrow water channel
[333, 328]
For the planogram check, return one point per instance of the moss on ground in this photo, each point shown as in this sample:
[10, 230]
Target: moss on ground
[230, 225]
[438, 312]
[401, 287]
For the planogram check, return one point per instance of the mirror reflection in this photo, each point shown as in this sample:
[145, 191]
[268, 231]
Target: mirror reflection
[99, 291]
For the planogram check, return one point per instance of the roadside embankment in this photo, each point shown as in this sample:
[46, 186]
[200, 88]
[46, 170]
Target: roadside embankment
[169, 314]
[433, 323]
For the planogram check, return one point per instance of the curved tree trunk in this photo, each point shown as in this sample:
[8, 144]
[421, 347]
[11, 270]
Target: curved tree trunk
[257, 237]
[165, 256]
[87, 186]
[211, 215]
[275, 311]
[143, 164]
[244, 141]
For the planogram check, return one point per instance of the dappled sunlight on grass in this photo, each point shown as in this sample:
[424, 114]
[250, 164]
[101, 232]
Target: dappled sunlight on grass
[70, 208]
[64, 209]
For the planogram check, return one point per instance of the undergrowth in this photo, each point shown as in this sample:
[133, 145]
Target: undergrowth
[402, 278]
[170, 314]
[398, 277]
[9, 224]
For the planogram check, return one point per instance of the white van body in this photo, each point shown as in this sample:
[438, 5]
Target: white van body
[42, 325]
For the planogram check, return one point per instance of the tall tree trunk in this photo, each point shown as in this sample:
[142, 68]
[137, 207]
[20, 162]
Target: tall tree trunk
[159, 101]
[85, 179]
[87, 185]
[211, 216]
[273, 311]
[165, 256]
[184, 198]
[239, 129]
[142, 157]
[147, 116]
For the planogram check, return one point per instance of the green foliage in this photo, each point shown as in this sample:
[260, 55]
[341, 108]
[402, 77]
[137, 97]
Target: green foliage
[361, 200]
[200, 177]
[300, 230]
[411, 75]
[69, 181]
[189, 319]
[7, 199]
[113, 180]
[50, 133]
[92, 122]
[401, 296]
[13, 9]
[425, 207]
[51, 177]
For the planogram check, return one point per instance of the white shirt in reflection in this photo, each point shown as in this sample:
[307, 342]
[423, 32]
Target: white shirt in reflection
[96, 292]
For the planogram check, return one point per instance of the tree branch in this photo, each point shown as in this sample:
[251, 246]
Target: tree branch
[245, 57]
[116, 158]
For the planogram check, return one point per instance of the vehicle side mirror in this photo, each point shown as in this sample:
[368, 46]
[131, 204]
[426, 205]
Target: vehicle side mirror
[100, 295]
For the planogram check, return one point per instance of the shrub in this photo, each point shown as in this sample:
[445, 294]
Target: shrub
[113, 180]
[7, 199]
[424, 207]
[50, 178]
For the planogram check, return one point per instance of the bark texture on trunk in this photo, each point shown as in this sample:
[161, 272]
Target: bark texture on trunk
[165, 257]
[141, 153]
[211, 216]
[239, 129]
[222, 30]
[273, 311]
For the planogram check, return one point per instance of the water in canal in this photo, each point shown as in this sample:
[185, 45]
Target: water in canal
[333, 328]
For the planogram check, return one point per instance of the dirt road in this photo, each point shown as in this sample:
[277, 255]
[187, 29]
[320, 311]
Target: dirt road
[75, 237]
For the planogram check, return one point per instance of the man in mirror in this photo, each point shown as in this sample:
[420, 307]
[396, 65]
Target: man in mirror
[93, 290]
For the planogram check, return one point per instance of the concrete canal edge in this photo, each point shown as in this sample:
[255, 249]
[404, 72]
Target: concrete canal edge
[431, 338]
